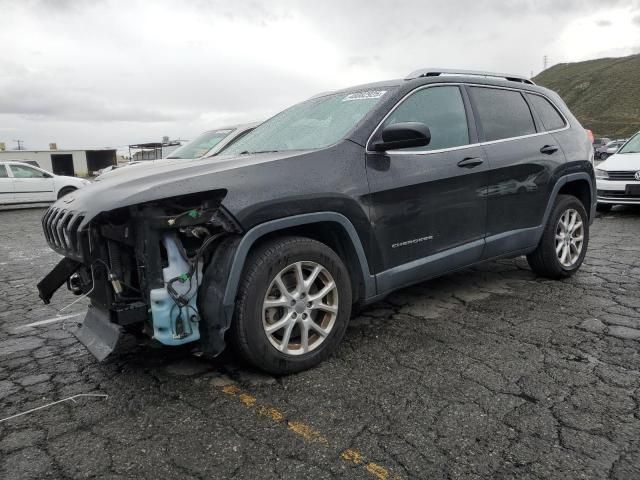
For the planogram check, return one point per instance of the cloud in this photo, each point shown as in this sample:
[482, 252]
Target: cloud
[36, 94]
[113, 72]
[603, 23]
[35, 102]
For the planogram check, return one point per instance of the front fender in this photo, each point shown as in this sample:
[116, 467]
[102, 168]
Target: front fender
[217, 294]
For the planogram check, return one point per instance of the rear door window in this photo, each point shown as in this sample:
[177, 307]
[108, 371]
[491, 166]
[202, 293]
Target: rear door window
[548, 114]
[502, 113]
[3, 172]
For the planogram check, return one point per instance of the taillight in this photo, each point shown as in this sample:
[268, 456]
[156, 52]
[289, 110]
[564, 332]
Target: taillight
[590, 135]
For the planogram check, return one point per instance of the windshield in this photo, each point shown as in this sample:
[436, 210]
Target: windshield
[632, 146]
[316, 123]
[201, 144]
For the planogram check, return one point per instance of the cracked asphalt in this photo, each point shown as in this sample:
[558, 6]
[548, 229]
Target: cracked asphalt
[487, 373]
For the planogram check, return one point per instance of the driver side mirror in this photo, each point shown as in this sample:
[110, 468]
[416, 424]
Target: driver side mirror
[403, 135]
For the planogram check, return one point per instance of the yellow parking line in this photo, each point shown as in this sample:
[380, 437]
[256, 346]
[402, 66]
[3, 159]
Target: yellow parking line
[307, 433]
[272, 413]
[377, 471]
[350, 455]
[231, 389]
[247, 399]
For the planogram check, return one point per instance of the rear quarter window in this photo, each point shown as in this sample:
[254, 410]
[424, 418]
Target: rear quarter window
[3, 172]
[548, 114]
[502, 113]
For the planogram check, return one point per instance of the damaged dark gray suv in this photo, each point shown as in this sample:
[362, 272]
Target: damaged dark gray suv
[331, 204]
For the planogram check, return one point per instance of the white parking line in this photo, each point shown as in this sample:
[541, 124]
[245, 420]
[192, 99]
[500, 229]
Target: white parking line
[48, 321]
[72, 399]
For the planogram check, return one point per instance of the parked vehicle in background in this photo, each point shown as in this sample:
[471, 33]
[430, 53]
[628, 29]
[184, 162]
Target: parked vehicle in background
[600, 142]
[207, 144]
[618, 177]
[30, 162]
[334, 202]
[212, 142]
[609, 149]
[24, 183]
[111, 168]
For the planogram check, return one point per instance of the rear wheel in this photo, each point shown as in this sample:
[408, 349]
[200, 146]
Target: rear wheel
[66, 191]
[564, 241]
[293, 305]
[603, 156]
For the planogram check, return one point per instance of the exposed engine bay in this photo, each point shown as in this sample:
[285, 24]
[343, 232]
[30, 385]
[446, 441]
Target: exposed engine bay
[142, 268]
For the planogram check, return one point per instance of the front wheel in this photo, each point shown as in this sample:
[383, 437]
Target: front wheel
[293, 305]
[564, 241]
[603, 156]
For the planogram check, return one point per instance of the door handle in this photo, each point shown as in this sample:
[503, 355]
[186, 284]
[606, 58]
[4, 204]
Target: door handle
[470, 162]
[549, 149]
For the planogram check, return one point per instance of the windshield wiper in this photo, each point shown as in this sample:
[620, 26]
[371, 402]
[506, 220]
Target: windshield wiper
[247, 152]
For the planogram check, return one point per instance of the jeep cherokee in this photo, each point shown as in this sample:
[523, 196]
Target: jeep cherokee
[333, 203]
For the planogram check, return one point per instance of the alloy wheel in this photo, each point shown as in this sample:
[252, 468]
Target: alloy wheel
[300, 308]
[569, 238]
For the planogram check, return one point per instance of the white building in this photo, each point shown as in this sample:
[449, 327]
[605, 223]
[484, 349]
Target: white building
[78, 163]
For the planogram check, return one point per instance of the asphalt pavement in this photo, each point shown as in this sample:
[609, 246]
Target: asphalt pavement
[487, 373]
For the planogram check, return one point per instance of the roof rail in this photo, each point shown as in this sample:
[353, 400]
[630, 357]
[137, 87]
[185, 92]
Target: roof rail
[435, 72]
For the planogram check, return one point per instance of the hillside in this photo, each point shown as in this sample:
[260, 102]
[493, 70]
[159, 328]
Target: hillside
[604, 94]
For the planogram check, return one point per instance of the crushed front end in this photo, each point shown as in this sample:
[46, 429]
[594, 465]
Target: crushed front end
[141, 266]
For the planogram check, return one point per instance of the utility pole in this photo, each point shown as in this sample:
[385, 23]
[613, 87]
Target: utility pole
[19, 142]
[545, 61]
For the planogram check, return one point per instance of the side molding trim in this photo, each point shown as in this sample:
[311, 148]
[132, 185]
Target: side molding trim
[429, 267]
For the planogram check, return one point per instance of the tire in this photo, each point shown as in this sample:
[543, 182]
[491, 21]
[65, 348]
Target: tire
[604, 207]
[279, 258]
[603, 156]
[544, 260]
[65, 191]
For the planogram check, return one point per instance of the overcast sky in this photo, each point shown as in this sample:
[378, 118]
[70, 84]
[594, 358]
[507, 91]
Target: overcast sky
[110, 73]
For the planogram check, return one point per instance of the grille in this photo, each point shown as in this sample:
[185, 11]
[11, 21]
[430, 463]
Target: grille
[622, 175]
[61, 230]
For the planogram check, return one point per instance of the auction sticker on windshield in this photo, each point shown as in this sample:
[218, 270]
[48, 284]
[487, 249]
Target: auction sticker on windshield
[365, 95]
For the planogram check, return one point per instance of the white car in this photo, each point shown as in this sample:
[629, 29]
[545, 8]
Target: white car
[618, 177]
[23, 183]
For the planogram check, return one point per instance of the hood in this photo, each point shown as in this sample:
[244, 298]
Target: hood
[138, 164]
[621, 162]
[62, 180]
[163, 179]
[72, 179]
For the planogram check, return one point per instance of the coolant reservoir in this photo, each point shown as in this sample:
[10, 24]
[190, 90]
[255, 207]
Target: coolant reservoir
[172, 324]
